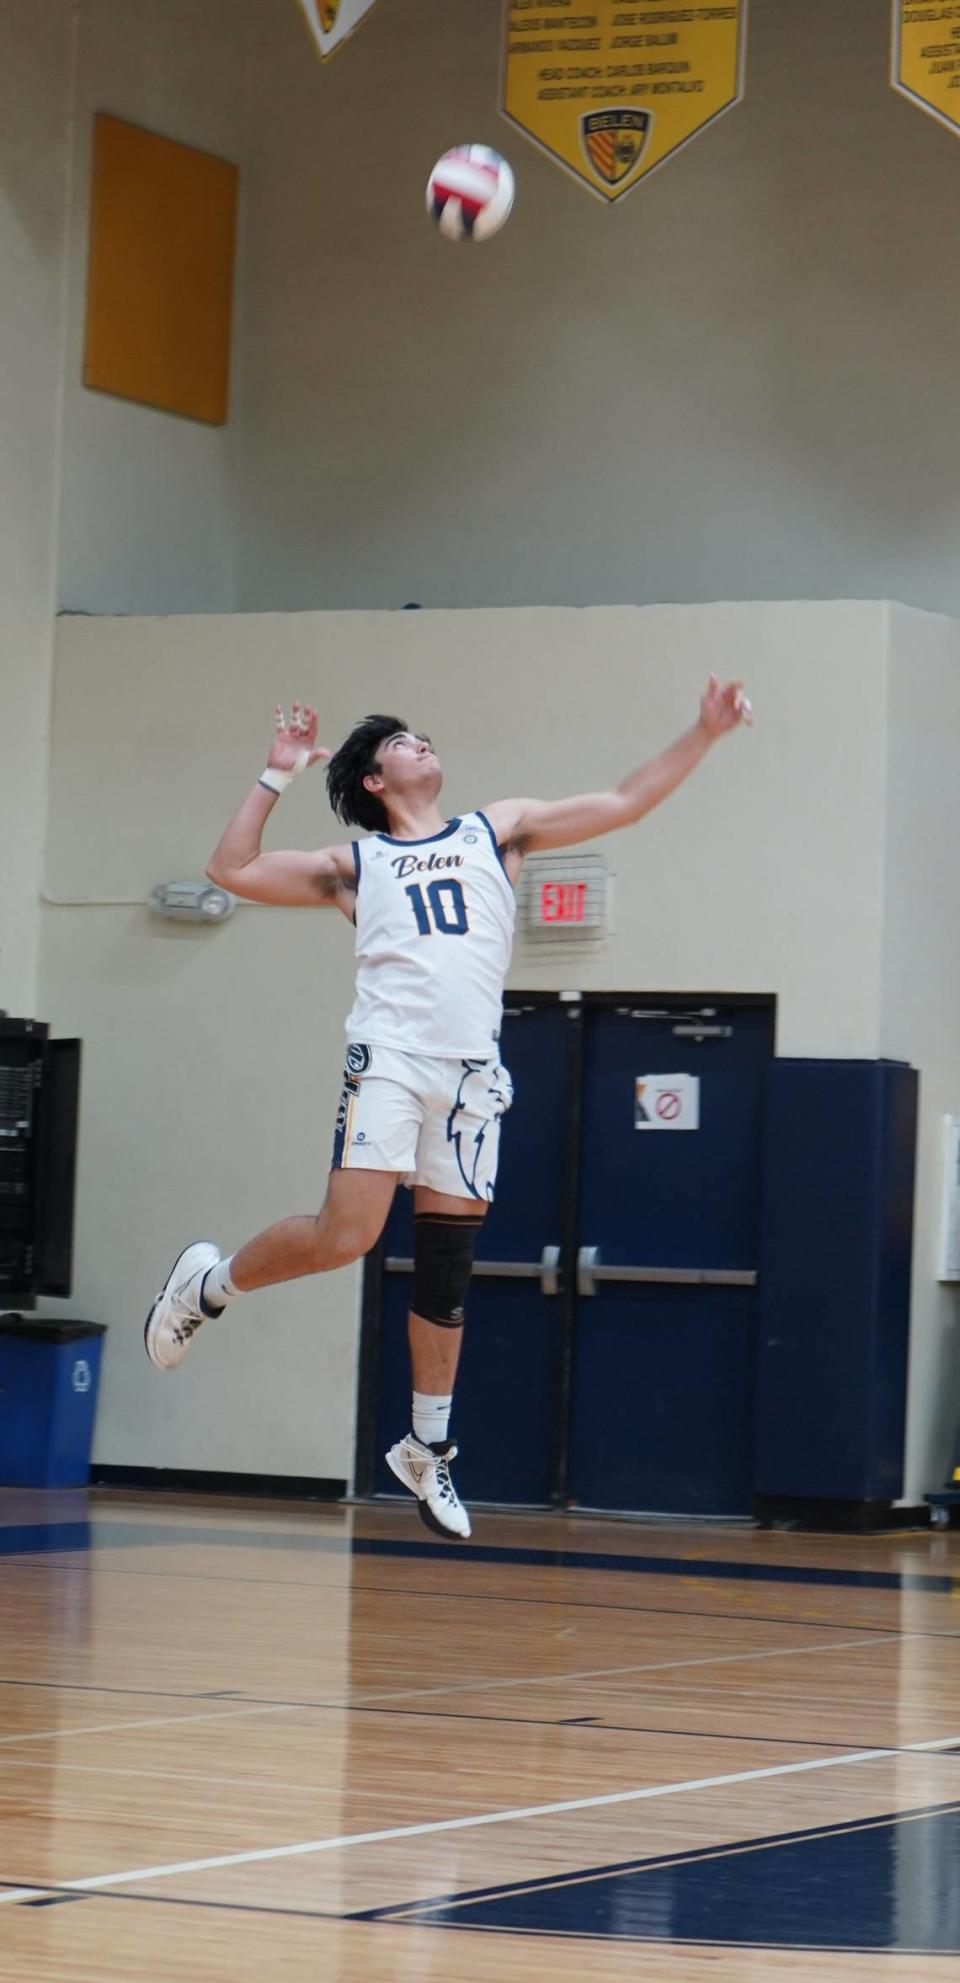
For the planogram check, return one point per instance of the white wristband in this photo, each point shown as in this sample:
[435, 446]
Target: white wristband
[277, 781]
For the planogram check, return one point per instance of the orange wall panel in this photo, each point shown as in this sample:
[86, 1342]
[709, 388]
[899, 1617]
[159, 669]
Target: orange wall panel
[160, 276]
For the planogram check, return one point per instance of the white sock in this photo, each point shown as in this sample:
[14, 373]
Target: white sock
[216, 1288]
[431, 1418]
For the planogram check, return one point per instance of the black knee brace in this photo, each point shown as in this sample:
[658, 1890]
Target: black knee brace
[442, 1266]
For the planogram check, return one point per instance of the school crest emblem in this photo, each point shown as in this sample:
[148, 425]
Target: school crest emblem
[614, 141]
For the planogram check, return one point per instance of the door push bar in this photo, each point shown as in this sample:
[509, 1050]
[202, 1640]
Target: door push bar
[546, 1270]
[589, 1272]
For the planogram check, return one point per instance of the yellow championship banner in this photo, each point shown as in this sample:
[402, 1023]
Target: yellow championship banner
[612, 90]
[331, 22]
[926, 56]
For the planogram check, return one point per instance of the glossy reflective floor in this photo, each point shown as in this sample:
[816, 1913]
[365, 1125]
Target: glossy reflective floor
[254, 1741]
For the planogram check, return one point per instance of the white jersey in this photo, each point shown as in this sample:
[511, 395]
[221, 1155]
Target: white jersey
[435, 924]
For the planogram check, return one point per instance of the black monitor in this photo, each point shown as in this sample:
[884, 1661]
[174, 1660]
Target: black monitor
[39, 1102]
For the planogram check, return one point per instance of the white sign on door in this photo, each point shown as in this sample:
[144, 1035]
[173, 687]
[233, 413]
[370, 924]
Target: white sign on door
[666, 1101]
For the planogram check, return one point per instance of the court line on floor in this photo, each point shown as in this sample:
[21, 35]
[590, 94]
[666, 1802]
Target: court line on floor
[592, 1725]
[152, 1721]
[586, 1726]
[400, 1914]
[125, 1693]
[587, 1876]
[476, 1686]
[481, 1685]
[309, 1848]
[69, 1537]
[402, 1593]
[212, 1782]
[876, 1632]
[52, 1894]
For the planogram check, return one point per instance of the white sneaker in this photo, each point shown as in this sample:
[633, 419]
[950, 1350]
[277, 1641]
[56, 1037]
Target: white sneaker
[176, 1314]
[427, 1474]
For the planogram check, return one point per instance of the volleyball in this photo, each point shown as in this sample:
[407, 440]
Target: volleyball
[470, 193]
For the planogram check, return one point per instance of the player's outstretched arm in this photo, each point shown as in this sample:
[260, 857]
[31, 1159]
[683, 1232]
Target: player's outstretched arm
[530, 825]
[288, 880]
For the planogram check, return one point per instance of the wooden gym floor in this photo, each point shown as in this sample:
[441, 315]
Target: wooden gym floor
[250, 1741]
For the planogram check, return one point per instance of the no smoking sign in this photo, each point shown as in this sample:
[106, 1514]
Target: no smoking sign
[666, 1101]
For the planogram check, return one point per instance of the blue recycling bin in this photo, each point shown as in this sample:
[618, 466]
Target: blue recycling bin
[49, 1376]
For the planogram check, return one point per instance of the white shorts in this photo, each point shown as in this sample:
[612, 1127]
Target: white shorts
[435, 1120]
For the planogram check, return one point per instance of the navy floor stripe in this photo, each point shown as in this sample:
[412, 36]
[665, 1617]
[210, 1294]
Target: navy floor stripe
[693, 1855]
[71, 1537]
[663, 1566]
[403, 1592]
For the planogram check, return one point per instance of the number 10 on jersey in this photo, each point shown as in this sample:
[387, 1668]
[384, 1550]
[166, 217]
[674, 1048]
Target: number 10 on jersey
[439, 908]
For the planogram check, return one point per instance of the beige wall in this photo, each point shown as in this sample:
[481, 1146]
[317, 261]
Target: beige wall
[213, 1056]
[100, 502]
[148, 506]
[713, 391]
[36, 43]
[682, 399]
[732, 386]
[921, 992]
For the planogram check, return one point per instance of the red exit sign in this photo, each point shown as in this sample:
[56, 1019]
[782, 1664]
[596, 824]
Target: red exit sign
[562, 901]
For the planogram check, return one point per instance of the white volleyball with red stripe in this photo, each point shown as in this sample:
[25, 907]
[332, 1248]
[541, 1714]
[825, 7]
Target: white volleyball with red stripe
[470, 193]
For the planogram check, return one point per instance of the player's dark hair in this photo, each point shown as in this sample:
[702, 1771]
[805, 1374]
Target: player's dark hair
[351, 764]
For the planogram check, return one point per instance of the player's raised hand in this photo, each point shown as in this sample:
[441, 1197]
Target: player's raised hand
[295, 745]
[724, 708]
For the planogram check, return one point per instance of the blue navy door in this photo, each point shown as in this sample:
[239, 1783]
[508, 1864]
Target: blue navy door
[609, 1357]
[506, 1410]
[665, 1336]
